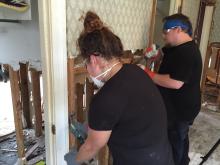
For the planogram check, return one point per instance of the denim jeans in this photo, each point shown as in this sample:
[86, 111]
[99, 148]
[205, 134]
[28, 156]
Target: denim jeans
[179, 140]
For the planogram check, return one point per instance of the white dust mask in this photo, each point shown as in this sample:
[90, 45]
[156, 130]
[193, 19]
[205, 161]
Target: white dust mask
[97, 82]
[100, 83]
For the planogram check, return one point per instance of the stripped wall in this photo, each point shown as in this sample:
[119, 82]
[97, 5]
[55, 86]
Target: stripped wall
[129, 19]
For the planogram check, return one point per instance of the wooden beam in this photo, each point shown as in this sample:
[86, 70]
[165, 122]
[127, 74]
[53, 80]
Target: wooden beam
[205, 68]
[6, 137]
[15, 92]
[71, 92]
[89, 92]
[79, 102]
[79, 106]
[25, 99]
[36, 159]
[199, 22]
[39, 142]
[80, 70]
[180, 8]
[152, 23]
[35, 81]
[218, 98]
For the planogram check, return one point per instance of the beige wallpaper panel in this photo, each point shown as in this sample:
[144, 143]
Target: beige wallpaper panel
[191, 9]
[129, 19]
[215, 32]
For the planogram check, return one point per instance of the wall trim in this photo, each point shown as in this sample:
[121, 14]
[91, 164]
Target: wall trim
[52, 22]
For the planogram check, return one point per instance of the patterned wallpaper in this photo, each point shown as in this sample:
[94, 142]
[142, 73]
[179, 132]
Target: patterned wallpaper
[128, 19]
[215, 33]
[191, 9]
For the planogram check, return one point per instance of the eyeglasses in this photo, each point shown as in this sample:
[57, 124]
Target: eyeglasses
[87, 60]
[166, 31]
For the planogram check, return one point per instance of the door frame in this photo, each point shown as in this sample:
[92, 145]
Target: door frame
[199, 25]
[52, 24]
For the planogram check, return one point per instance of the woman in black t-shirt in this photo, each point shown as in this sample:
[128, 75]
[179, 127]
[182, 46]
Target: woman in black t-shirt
[127, 113]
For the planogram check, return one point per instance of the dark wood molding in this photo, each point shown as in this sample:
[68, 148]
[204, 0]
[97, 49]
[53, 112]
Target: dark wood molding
[199, 24]
[209, 2]
[180, 7]
[200, 18]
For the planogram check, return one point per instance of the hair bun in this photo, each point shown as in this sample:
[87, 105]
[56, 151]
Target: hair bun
[92, 22]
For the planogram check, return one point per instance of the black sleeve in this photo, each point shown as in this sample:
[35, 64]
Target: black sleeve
[105, 111]
[182, 66]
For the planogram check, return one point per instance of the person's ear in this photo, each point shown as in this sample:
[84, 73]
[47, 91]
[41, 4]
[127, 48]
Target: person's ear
[179, 30]
[93, 60]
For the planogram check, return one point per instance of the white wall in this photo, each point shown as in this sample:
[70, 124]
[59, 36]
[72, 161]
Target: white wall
[20, 41]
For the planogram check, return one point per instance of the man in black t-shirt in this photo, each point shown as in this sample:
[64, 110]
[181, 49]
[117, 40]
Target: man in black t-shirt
[127, 112]
[178, 80]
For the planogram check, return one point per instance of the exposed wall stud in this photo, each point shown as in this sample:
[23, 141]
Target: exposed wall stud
[25, 99]
[15, 92]
[35, 80]
[71, 92]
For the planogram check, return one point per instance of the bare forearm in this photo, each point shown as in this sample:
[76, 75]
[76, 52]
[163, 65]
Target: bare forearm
[163, 80]
[94, 142]
[166, 81]
[86, 153]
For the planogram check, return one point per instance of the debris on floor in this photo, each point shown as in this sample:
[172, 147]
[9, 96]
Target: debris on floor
[205, 131]
[34, 148]
[210, 98]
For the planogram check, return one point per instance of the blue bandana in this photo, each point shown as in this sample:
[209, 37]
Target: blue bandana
[177, 23]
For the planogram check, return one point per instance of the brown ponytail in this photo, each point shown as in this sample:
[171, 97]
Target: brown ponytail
[92, 22]
[98, 40]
